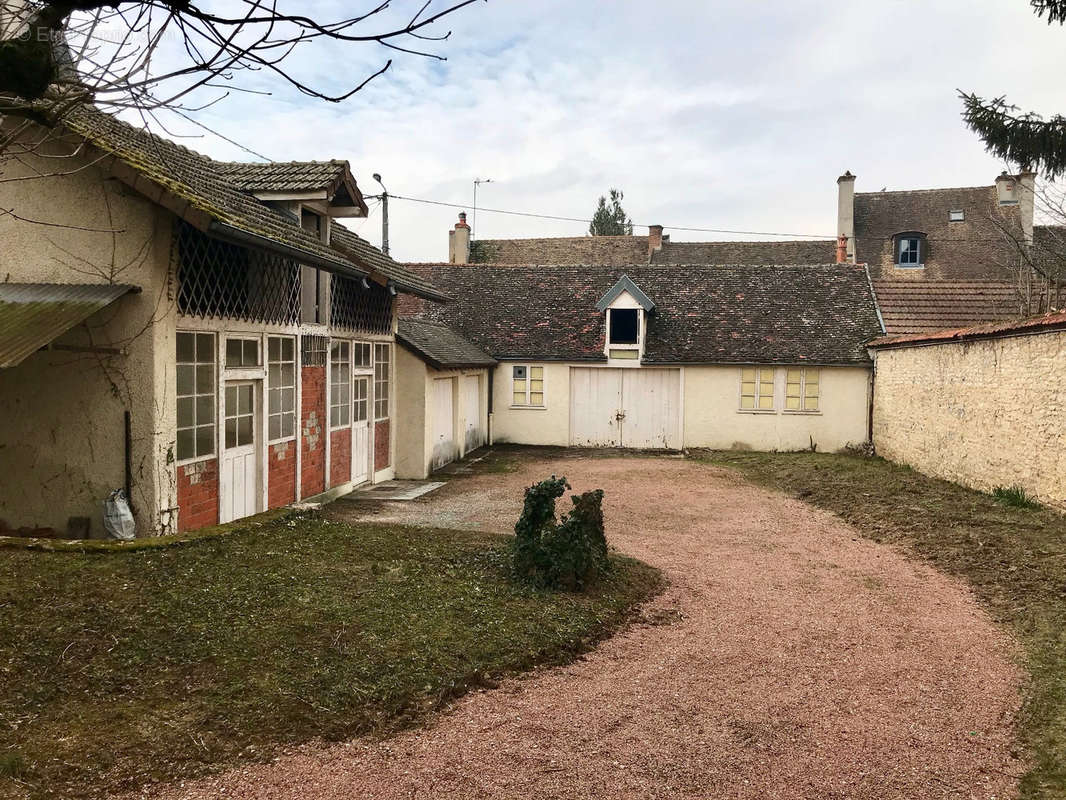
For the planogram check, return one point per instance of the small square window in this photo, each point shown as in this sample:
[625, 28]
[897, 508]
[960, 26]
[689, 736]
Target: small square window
[625, 326]
[957, 216]
[527, 386]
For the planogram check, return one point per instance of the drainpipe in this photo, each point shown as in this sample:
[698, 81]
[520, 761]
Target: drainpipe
[129, 460]
[490, 374]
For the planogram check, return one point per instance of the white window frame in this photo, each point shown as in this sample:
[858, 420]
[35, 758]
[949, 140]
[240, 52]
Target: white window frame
[528, 390]
[957, 215]
[242, 337]
[758, 390]
[920, 263]
[386, 382]
[334, 384]
[295, 340]
[803, 391]
[624, 302]
[214, 397]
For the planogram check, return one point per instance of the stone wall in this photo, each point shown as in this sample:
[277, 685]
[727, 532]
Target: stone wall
[984, 413]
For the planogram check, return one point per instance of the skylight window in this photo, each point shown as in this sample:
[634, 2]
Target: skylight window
[957, 216]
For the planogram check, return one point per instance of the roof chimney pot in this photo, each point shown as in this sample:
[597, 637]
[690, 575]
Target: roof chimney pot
[459, 242]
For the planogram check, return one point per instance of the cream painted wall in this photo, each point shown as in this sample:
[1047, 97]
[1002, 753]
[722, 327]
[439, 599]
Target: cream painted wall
[414, 408]
[62, 440]
[713, 418]
[544, 426]
[984, 413]
[710, 410]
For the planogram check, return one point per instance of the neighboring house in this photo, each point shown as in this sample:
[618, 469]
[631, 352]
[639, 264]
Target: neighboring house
[669, 356]
[973, 233]
[203, 333]
[442, 387]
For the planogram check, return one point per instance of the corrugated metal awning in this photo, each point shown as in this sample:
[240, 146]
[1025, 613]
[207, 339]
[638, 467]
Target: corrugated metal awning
[33, 315]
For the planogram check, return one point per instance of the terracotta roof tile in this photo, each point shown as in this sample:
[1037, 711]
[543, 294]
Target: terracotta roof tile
[1048, 322]
[917, 306]
[813, 251]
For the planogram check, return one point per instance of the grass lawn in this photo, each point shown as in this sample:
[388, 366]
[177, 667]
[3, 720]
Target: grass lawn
[118, 669]
[1013, 557]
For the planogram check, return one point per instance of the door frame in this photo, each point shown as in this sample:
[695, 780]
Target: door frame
[367, 374]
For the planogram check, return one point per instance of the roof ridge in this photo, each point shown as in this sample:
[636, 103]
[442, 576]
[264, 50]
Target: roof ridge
[934, 189]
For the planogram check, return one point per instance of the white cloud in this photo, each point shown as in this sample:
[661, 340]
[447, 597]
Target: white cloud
[726, 115]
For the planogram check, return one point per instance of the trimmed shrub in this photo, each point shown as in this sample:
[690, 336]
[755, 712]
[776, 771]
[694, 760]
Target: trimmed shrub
[569, 554]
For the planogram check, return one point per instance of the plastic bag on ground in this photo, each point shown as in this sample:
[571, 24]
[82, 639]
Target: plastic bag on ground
[118, 520]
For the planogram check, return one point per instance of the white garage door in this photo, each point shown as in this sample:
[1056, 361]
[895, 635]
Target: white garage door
[443, 423]
[612, 407]
[475, 429]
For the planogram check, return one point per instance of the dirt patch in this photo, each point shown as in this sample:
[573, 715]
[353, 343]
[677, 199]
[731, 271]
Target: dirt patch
[789, 658]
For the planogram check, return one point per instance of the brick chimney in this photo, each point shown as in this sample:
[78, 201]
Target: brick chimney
[655, 239]
[846, 213]
[459, 242]
[842, 249]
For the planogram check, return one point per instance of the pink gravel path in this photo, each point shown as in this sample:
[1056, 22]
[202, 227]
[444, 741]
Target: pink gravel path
[803, 662]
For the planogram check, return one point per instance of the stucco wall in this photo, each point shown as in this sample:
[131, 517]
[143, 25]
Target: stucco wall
[713, 418]
[62, 440]
[544, 426]
[414, 412]
[984, 413]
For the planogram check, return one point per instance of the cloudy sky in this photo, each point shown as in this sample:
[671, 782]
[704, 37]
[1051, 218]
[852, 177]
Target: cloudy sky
[706, 114]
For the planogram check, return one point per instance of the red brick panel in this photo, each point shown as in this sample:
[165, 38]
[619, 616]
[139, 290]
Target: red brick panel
[312, 430]
[381, 445]
[281, 474]
[197, 495]
[340, 457]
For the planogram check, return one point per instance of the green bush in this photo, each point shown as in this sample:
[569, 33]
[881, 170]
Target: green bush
[569, 554]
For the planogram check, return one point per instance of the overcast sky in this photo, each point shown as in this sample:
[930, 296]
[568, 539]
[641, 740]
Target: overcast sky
[706, 114]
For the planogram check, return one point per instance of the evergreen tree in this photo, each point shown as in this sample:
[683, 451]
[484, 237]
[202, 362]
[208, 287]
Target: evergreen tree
[1027, 140]
[610, 218]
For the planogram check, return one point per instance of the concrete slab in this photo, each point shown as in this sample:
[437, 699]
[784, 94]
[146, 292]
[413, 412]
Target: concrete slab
[395, 490]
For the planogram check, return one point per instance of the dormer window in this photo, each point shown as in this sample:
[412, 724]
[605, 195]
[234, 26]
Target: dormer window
[910, 249]
[625, 308]
[624, 325]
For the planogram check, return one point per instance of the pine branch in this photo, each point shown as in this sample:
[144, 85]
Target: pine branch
[1027, 140]
[1055, 10]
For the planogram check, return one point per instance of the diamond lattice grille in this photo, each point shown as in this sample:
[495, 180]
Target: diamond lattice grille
[354, 308]
[221, 280]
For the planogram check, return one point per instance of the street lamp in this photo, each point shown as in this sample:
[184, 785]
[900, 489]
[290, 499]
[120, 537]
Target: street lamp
[384, 214]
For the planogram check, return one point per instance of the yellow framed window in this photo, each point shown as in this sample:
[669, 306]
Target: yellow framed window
[802, 389]
[527, 385]
[757, 389]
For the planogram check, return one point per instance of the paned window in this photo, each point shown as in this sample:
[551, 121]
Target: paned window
[281, 387]
[340, 384]
[757, 389]
[196, 395]
[382, 374]
[527, 385]
[801, 389]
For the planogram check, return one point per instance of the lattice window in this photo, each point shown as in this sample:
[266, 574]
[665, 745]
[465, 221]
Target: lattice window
[222, 280]
[313, 350]
[354, 308]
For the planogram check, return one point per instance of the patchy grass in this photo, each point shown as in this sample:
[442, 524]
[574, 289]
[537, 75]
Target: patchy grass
[122, 668]
[1015, 496]
[1012, 554]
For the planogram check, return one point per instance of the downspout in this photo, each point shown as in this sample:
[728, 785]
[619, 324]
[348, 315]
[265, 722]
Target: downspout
[129, 460]
[491, 376]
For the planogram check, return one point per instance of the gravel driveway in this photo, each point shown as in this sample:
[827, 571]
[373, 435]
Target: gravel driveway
[798, 661]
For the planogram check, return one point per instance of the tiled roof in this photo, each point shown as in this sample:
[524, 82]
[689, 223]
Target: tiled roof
[975, 249]
[815, 251]
[33, 315]
[916, 306]
[287, 176]
[1049, 246]
[1049, 322]
[440, 346]
[362, 252]
[604, 250]
[703, 314]
[190, 185]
